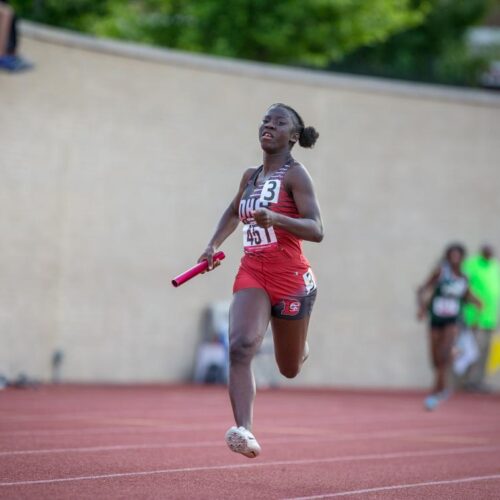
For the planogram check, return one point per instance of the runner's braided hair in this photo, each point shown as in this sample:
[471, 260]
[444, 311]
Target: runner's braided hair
[307, 135]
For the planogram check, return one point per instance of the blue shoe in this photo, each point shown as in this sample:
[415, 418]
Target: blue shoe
[14, 63]
[431, 402]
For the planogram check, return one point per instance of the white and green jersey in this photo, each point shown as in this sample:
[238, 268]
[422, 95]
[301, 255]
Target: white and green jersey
[446, 302]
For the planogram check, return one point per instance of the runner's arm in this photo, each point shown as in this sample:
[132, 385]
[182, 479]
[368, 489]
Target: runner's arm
[422, 293]
[226, 225]
[470, 297]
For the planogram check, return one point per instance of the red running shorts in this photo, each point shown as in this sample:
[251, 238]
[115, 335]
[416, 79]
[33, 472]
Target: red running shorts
[288, 281]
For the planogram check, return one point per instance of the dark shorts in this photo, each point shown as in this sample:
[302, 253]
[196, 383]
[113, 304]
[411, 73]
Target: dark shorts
[290, 284]
[436, 322]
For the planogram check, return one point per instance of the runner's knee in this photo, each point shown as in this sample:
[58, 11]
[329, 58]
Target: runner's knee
[242, 349]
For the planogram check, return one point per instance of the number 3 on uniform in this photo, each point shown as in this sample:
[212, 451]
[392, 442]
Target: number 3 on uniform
[309, 281]
[270, 191]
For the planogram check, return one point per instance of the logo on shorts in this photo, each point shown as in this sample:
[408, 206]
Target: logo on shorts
[290, 307]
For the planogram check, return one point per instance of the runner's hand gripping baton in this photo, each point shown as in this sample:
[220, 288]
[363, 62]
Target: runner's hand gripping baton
[195, 270]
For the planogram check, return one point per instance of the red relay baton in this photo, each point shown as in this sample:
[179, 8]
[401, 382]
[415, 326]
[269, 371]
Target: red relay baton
[195, 270]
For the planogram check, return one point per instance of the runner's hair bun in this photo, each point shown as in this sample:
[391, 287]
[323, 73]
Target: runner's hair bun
[308, 137]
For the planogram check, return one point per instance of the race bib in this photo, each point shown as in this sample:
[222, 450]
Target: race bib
[270, 191]
[256, 238]
[445, 307]
[309, 281]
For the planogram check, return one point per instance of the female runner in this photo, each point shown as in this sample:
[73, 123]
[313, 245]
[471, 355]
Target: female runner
[278, 208]
[448, 289]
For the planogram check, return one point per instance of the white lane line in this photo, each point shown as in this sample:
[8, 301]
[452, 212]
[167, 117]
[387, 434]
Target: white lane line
[157, 414]
[191, 444]
[410, 434]
[112, 430]
[338, 419]
[400, 487]
[121, 447]
[347, 458]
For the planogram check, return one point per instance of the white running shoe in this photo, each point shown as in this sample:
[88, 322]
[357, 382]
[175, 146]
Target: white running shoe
[241, 440]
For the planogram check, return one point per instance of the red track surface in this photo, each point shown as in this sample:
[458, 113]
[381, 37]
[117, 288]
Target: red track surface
[168, 442]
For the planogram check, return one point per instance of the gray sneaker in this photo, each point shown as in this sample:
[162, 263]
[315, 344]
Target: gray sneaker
[241, 440]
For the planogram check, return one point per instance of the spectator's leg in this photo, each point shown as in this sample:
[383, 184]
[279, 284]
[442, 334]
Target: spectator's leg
[478, 369]
[12, 41]
[6, 17]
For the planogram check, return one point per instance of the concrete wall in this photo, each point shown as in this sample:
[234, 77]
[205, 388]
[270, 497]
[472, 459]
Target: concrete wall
[117, 160]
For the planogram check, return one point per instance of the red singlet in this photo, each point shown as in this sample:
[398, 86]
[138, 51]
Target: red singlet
[273, 259]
